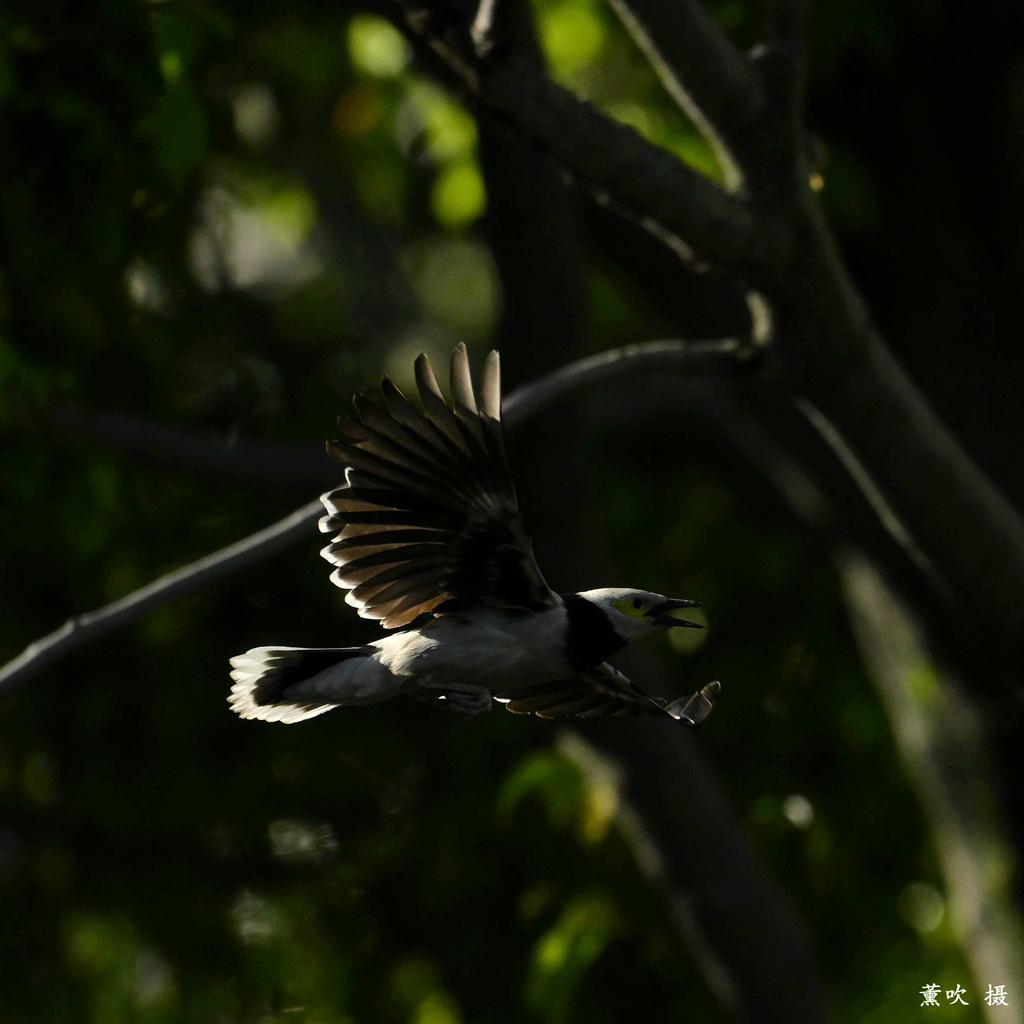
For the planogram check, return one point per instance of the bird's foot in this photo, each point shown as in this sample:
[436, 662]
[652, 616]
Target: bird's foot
[467, 701]
[695, 708]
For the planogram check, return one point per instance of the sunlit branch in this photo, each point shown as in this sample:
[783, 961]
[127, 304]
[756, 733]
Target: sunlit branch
[85, 629]
[707, 77]
[753, 950]
[945, 752]
[690, 357]
[608, 158]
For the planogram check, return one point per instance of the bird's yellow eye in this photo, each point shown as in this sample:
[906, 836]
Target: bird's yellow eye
[635, 607]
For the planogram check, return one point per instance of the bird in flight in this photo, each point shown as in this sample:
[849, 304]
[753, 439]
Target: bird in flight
[427, 521]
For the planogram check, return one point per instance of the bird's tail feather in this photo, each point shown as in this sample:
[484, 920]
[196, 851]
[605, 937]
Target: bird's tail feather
[264, 675]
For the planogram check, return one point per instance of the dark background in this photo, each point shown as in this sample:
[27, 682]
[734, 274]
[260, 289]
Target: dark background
[218, 221]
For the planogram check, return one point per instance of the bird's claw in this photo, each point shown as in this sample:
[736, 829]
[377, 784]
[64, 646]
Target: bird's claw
[468, 701]
[695, 709]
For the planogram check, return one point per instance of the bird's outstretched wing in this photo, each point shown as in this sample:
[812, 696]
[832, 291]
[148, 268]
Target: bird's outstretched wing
[427, 520]
[603, 692]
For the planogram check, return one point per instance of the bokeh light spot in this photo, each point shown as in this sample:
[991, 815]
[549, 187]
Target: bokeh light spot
[376, 47]
[459, 196]
[572, 37]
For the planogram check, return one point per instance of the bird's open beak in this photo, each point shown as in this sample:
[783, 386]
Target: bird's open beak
[659, 613]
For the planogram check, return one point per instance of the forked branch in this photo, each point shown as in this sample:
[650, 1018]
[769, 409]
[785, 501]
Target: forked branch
[775, 238]
[611, 160]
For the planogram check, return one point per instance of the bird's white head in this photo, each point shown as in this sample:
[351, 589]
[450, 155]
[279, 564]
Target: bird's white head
[637, 613]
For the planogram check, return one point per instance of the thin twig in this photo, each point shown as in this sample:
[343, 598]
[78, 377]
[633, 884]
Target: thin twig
[520, 406]
[84, 629]
[707, 77]
[587, 374]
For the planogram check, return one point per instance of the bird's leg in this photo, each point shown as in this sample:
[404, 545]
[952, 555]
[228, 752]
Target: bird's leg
[695, 708]
[467, 700]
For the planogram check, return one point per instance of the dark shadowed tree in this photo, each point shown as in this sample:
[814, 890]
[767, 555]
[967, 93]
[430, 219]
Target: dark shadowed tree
[217, 221]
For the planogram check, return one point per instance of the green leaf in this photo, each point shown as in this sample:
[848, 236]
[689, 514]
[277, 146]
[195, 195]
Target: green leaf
[566, 951]
[557, 781]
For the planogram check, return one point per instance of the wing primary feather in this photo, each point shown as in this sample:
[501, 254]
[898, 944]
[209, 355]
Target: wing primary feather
[607, 709]
[427, 519]
[490, 387]
[587, 706]
[438, 427]
[342, 501]
[422, 600]
[435, 407]
[461, 382]
[403, 476]
[398, 444]
[402, 553]
[376, 491]
[355, 530]
[383, 537]
[402, 614]
[696, 708]
[400, 587]
[600, 692]
[403, 413]
[420, 444]
[367, 592]
[353, 428]
[395, 517]
[530, 701]
[463, 399]
[390, 554]
[350, 579]
[345, 509]
[443, 436]
[417, 442]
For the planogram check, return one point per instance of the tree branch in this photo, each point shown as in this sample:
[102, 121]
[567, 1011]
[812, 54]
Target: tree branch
[532, 209]
[752, 948]
[945, 752]
[673, 356]
[827, 350]
[749, 964]
[785, 32]
[521, 405]
[240, 461]
[608, 158]
[959, 519]
[720, 914]
[707, 77]
[87, 628]
[830, 352]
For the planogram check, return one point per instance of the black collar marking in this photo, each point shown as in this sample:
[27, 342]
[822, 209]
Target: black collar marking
[590, 637]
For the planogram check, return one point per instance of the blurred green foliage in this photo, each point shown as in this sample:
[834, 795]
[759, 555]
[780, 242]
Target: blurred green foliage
[229, 217]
